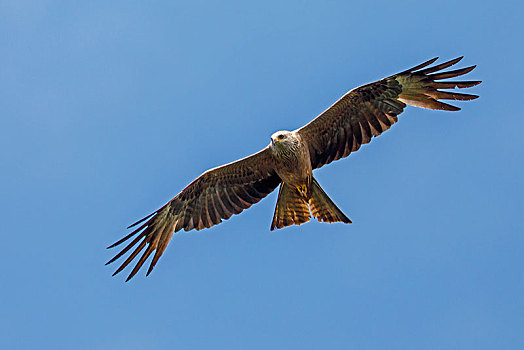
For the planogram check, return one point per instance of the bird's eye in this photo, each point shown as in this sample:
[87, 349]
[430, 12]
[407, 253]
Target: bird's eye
[280, 137]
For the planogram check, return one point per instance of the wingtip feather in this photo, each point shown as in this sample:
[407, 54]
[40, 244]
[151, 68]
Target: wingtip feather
[143, 219]
[420, 66]
[451, 73]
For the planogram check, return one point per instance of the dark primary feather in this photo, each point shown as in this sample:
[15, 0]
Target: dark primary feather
[371, 109]
[215, 195]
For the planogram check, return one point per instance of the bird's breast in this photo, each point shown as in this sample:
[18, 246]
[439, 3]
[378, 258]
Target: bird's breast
[294, 165]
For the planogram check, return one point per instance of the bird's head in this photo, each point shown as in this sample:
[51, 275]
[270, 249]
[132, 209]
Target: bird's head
[280, 137]
[284, 143]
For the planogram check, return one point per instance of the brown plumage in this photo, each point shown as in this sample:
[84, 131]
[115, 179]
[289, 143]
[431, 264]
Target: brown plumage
[289, 160]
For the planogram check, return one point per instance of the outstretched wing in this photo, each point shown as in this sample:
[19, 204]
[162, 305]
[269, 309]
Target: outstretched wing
[215, 195]
[371, 109]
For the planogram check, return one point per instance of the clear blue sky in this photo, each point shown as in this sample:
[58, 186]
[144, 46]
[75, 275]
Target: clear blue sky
[110, 108]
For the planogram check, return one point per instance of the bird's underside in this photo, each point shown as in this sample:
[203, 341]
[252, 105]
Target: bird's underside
[289, 160]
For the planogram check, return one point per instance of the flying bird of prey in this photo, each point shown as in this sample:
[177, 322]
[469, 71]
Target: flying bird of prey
[289, 161]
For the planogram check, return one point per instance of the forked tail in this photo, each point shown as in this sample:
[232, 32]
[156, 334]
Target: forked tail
[323, 208]
[294, 209]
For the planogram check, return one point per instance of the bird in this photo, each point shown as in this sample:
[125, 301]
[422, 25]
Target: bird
[289, 160]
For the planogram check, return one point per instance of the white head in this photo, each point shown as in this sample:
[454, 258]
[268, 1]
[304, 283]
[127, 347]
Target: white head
[284, 144]
[280, 136]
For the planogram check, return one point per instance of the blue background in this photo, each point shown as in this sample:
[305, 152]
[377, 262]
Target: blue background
[110, 108]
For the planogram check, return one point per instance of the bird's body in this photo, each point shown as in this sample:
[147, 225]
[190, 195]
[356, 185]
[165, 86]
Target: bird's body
[290, 159]
[300, 195]
[292, 156]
